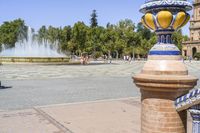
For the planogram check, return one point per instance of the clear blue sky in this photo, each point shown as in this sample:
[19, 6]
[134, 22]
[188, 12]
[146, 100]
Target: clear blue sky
[66, 12]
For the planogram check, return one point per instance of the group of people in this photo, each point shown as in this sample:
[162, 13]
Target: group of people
[189, 58]
[105, 57]
[127, 58]
[84, 60]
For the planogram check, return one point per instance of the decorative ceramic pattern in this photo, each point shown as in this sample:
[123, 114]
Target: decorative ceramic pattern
[188, 99]
[165, 20]
[165, 17]
[166, 3]
[195, 113]
[167, 49]
[191, 101]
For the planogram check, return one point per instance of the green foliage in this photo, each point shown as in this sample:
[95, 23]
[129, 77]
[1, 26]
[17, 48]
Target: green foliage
[79, 34]
[144, 32]
[197, 56]
[123, 38]
[178, 38]
[97, 55]
[43, 31]
[11, 32]
[93, 20]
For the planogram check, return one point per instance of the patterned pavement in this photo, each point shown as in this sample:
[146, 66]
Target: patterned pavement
[117, 69]
[194, 69]
[39, 85]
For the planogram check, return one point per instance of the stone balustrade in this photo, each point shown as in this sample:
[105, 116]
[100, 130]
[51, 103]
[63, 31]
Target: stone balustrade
[191, 102]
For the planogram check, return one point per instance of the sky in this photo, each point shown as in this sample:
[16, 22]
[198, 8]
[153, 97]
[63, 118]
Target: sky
[67, 12]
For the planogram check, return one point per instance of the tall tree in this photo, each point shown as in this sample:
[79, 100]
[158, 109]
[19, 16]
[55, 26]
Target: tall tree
[42, 33]
[11, 32]
[66, 35]
[146, 33]
[77, 44]
[178, 38]
[93, 20]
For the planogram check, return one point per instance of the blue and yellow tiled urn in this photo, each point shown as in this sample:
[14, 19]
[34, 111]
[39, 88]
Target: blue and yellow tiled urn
[164, 17]
[164, 76]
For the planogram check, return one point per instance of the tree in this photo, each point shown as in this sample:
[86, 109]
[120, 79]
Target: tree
[93, 20]
[11, 32]
[177, 38]
[77, 43]
[109, 39]
[123, 38]
[53, 34]
[145, 33]
[42, 33]
[197, 56]
[95, 40]
[66, 35]
[145, 40]
[125, 33]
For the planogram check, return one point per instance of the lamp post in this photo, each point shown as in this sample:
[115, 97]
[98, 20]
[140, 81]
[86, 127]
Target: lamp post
[164, 76]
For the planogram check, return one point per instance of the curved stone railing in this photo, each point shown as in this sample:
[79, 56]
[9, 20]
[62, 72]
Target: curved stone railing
[191, 102]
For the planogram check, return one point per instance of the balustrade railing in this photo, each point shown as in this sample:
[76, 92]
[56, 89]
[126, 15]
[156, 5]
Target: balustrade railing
[191, 102]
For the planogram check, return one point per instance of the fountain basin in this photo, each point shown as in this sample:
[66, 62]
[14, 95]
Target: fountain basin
[36, 60]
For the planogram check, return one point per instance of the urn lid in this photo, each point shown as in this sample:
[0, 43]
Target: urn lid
[153, 5]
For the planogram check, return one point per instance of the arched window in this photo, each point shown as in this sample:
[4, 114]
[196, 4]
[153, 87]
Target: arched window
[158, 38]
[185, 53]
[168, 39]
[162, 39]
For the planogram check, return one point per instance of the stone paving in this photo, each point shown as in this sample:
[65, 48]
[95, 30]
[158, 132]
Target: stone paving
[35, 89]
[112, 116]
[117, 69]
[194, 69]
[107, 116]
[37, 85]
[29, 93]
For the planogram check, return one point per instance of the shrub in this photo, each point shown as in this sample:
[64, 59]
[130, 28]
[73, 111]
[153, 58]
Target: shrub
[197, 56]
[97, 55]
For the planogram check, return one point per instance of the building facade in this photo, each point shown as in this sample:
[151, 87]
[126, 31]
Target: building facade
[193, 45]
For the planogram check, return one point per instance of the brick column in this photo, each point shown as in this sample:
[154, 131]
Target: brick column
[159, 114]
[164, 77]
[160, 83]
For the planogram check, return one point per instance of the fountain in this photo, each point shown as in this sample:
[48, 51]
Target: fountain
[31, 50]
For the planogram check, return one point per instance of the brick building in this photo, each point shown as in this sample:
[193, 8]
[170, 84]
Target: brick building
[193, 45]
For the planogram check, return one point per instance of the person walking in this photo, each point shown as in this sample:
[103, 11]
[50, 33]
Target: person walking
[190, 59]
[110, 58]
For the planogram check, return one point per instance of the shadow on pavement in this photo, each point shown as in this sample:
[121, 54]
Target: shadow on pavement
[5, 87]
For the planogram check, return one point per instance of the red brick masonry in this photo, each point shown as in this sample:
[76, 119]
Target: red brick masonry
[159, 115]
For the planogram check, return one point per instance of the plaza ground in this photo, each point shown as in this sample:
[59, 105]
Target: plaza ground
[37, 85]
[75, 99]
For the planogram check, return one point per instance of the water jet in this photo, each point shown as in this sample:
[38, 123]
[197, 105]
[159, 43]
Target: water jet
[31, 50]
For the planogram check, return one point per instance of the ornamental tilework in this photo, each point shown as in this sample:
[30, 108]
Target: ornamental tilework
[188, 100]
